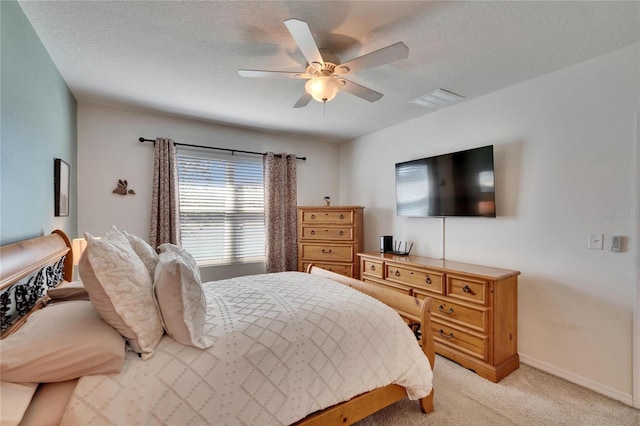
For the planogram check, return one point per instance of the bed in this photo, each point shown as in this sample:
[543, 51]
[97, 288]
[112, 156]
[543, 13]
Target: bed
[248, 375]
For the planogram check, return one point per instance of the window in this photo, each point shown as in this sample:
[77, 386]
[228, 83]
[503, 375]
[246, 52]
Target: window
[221, 207]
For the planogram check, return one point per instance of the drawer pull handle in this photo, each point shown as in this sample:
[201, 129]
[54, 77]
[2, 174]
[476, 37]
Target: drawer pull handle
[313, 216]
[446, 336]
[428, 279]
[396, 273]
[313, 232]
[441, 309]
[326, 251]
[468, 290]
[373, 267]
[341, 233]
[341, 216]
[415, 327]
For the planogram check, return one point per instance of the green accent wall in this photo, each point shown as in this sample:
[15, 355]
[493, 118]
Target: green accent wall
[38, 124]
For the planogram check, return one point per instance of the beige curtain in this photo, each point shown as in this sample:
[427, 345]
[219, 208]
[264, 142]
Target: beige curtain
[280, 212]
[165, 207]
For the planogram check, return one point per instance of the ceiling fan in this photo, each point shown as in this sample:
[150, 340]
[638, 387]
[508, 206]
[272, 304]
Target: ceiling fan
[325, 72]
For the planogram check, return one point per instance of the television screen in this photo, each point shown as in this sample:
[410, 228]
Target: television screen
[456, 184]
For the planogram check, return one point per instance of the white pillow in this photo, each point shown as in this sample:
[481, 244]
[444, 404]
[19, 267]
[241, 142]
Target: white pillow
[145, 252]
[71, 291]
[121, 290]
[14, 400]
[62, 341]
[180, 297]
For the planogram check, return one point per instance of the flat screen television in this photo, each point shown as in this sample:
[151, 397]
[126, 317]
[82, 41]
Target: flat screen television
[455, 184]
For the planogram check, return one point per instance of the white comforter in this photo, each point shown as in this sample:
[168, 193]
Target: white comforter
[286, 345]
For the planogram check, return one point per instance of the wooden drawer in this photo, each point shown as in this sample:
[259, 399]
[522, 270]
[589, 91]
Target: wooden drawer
[327, 252]
[399, 288]
[330, 237]
[474, 311]
[467, 288]
[472, 344]
[424, 279]
[323, 233]
[372, 268]
[333, 216]
[342, 269]
[457, 313]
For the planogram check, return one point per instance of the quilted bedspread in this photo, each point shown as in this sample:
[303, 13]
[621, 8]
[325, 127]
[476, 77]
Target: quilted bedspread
[286, 345]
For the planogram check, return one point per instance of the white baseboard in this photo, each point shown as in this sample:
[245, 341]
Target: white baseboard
[612, 393]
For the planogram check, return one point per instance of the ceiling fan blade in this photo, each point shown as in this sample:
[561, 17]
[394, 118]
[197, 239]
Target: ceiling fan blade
[303, 101]
[304, 39]
[386, 55]
[361, 91]
[273, 74]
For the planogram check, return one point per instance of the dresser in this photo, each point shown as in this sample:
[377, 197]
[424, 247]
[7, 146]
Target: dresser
[330, 238]
[475, 308]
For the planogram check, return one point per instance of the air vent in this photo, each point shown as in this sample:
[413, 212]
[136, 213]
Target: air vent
[437, 98]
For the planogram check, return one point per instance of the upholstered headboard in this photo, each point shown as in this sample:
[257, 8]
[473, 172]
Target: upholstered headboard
[27, 269]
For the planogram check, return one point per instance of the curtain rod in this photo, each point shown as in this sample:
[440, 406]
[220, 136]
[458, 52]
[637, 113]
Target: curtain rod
[232, 151]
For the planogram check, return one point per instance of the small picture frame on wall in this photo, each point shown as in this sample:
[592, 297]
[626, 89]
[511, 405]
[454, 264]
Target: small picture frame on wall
[61, 178]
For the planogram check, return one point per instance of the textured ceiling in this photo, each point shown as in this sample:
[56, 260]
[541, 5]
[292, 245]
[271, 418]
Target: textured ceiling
[182, 57]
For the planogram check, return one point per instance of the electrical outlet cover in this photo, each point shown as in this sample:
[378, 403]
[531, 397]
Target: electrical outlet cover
[616, 243]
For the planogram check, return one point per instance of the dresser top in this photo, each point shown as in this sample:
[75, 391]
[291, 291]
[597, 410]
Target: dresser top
[444, 265]
[330, 207]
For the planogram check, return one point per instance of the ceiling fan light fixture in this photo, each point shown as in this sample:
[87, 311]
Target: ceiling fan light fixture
[324, 88]
[324, 70]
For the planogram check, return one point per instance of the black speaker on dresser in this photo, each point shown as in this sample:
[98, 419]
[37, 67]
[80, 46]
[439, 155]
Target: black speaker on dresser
[386, 243]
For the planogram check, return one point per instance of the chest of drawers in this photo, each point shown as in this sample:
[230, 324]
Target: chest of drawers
[474, 319]
[330, 238]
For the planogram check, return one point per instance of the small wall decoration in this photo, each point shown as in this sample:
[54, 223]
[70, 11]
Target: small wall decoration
[61, 178]
[122, 188]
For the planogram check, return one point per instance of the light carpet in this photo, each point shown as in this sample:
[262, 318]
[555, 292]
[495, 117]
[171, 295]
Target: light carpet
[527, 396]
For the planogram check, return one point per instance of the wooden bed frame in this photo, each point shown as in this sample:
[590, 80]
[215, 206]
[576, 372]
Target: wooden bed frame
[411, 309]
[19, 260]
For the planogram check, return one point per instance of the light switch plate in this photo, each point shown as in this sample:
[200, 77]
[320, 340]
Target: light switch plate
[595, 241]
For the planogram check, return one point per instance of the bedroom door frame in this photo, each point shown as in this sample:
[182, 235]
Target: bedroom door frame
[636, 306]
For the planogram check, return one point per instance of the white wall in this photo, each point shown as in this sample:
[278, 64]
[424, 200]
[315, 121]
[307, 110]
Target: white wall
[565, 166]
[108, 150]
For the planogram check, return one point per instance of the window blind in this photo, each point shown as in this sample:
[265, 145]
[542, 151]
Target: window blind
[221, 207]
